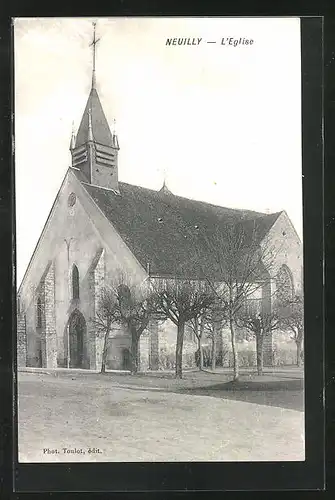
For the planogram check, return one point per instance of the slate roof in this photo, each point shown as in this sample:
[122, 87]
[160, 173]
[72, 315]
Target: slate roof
[100, 127]
[164, 230]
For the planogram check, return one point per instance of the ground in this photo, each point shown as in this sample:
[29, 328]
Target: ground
[115, 417]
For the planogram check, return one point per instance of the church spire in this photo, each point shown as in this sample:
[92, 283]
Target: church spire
[95, 149]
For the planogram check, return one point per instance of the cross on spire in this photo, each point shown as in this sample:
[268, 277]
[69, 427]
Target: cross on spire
[93, 44]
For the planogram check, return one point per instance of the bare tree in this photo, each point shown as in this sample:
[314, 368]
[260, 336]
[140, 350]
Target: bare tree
[260, 323]
[104, 318]
[211, 333]
[128, 305]
[292, 319]
[214, 319]
[242, 263]
[197, 327]
[181, 300]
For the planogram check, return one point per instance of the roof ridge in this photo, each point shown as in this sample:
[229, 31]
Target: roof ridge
[261, 214]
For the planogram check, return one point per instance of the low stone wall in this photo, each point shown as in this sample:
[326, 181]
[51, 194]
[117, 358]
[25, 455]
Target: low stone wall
[21, 340]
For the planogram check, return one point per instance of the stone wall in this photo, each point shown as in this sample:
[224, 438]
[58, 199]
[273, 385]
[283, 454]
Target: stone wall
[288, 249]
[267, 304]
[96, 338]
[288, 254]
[144, 352]
[21, 339]
[72, 235]
[32, 339]
[154, 345]
[50, 359]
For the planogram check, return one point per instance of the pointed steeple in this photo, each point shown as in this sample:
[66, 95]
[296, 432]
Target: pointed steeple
[100, 128]
[95, 149]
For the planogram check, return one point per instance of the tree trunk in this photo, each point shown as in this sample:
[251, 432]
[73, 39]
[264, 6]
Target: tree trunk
[214, 350]
[222, 348]
[134, 352]
[201, 351]
[299, 345]
[259, 352]
[233, 345]
[179, 348]
[105, 352]
[201, 355]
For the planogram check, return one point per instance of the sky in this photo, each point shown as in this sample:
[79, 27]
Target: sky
[221, 123]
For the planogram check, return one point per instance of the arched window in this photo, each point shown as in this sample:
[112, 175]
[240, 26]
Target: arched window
[124, 292]
[75, 282]
[284, 284]
[124, 298]
[39, 313]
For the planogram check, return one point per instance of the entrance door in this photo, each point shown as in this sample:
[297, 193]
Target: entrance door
[126, 365]
[39, 356]
[77, 330]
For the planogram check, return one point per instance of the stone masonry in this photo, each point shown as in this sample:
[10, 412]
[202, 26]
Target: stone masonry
[50, 319]
[97, 283]
[267, 292]
[21, 339]
[154, 345]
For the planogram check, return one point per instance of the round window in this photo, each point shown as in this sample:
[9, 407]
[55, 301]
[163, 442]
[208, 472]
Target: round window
[72, 199]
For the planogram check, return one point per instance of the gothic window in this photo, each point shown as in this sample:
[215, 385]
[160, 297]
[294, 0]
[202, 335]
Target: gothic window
[124, 297]
[284, 284]
[252, 306]
[39, 313]
[75, 282]
[124, 292]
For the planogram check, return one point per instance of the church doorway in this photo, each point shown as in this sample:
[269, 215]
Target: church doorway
[77, 332]
[39, 353]
[126, 362]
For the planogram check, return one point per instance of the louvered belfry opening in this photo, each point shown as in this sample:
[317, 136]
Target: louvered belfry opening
[104, 155]
[79, 156]
[95, 148]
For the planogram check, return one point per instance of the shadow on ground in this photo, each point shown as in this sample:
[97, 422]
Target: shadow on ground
[287, 394]
[281, 389]
[283, 393]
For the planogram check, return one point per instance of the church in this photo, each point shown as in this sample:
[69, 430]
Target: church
[98, 226]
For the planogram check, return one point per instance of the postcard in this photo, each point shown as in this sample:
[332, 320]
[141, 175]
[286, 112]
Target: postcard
[160, 297]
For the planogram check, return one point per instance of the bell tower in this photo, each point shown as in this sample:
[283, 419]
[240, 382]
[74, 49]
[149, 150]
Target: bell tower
[95, 149]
